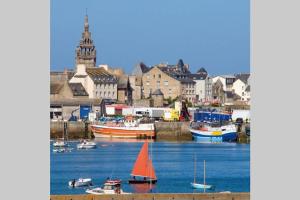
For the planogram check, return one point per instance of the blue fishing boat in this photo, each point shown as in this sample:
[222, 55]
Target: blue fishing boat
[207, 132]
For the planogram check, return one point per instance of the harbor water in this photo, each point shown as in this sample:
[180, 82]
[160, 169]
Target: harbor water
[227, 166]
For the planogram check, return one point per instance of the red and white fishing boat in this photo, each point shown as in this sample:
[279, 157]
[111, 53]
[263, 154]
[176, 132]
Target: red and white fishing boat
[143, 170]
[130, 128]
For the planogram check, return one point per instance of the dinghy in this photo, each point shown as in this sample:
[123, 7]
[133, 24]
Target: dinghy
[143, 170]
[196, 185]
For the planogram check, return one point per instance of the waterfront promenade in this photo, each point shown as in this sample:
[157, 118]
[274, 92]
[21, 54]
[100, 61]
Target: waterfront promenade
[158, 196]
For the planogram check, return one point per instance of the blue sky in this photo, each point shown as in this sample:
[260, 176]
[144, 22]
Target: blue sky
[214, 34]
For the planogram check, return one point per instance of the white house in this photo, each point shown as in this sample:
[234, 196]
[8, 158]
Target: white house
[203, 85]
[241, 86]
[98, 82]
[226, 80]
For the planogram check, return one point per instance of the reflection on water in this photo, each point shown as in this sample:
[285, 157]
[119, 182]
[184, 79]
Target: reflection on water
[142, 188]
[107, 139]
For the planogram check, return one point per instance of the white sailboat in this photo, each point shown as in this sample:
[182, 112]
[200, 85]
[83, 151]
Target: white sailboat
[199, 185]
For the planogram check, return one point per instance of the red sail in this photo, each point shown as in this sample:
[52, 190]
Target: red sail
[143, 165]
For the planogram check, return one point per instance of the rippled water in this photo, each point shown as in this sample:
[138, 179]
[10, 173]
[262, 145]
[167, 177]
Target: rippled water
[227, 166]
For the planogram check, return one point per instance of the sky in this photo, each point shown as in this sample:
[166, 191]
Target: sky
[214, 34]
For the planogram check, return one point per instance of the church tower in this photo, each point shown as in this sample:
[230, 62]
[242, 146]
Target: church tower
[86, 51]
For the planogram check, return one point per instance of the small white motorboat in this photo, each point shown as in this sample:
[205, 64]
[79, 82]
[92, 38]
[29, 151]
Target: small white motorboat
[81, 182]
[59, 150]
[108, 188]
[60, 143]
[86, 145]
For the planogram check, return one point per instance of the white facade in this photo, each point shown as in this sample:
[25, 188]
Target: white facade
[200, 90]
[82, 77]
[95, 90]
[239, 88]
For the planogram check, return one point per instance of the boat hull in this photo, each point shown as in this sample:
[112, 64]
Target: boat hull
[81, 183]
[201, 186]
[214, 136]
[134, 181]
[145, 131]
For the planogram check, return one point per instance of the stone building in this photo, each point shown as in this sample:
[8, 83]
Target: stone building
[172, 80]
[136, 80]
[97, 82]
[158, 98]
[136, 84]
[86, 51]
[124, 90]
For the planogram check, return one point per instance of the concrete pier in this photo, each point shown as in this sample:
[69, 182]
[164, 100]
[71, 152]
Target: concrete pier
[169, 196]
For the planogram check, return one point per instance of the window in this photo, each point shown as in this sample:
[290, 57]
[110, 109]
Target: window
[170, 90]
[113, 93]
[108, 94]
[104, 93]
[159, 76]
[166, 83]
[153, 75]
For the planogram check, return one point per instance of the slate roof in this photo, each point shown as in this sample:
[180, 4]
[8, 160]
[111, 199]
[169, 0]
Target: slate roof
[202, 70]
[78, 89]
[178, 75]
[197, 76]
[139, 69]
[243, 77]
[100, 75]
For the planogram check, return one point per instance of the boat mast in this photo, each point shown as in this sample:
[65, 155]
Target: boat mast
[194, 168]
[204, 175]
[149, 163]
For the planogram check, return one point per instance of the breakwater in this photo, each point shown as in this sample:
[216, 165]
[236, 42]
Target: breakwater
[157, 196]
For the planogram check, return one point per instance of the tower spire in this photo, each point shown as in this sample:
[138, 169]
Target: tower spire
[86, 23]
[86, 51]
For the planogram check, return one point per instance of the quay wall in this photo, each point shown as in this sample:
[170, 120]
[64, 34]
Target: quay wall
[171, 196]
[172, 131]
[164, 130]
[176, 131]
[75, 130]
